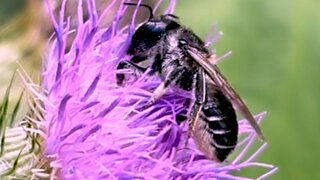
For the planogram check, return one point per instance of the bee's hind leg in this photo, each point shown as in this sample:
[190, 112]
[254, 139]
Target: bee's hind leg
[200, 98]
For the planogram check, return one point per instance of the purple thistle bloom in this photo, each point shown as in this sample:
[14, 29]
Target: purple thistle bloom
[97, 130]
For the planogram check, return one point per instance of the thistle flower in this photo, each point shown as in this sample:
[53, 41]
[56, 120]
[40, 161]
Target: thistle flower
[97, 130]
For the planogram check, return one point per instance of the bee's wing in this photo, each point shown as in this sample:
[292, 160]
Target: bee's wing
[214, 73]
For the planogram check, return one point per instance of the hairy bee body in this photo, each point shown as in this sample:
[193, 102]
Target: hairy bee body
[180, 58]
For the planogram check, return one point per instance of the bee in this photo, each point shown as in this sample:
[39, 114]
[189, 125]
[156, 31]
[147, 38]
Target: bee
[180, 58]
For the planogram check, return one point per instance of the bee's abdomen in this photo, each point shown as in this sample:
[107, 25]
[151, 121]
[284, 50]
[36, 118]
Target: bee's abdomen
[216, 131]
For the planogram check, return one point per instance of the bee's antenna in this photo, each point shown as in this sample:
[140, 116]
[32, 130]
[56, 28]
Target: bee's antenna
[143, 5]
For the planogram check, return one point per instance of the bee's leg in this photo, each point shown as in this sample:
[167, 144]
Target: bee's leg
[195, 115]
[163, 87]
[200, 96]
[157, 94]
[120, 77]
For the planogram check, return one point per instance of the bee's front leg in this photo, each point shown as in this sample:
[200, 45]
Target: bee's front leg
[120, 77]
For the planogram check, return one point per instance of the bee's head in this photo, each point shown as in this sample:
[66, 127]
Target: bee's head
[150, 32]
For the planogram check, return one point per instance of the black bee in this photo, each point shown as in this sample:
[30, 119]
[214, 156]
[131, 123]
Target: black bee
[181, 59]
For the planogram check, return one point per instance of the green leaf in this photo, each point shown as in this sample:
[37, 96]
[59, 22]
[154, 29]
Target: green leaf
[3, 114]
[15, 110]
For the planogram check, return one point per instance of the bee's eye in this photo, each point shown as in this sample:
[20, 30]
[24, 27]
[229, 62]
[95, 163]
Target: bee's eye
[182, 42]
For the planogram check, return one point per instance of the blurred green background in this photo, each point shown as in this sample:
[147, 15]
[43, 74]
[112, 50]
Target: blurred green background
[274, 66]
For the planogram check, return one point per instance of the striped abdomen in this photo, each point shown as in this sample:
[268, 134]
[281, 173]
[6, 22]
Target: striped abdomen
[216, 130]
